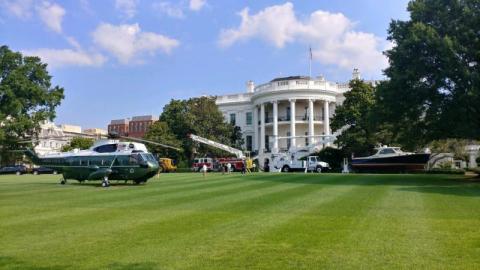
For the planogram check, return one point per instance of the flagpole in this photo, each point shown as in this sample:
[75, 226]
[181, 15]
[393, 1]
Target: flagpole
[310, 63]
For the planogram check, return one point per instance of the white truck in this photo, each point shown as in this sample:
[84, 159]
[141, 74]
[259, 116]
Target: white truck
[298, 161]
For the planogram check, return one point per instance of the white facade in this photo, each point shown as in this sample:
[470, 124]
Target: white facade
[52, 138]
[284, 107]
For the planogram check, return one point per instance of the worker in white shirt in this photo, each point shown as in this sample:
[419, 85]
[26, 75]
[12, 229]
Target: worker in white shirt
[204, 170]
[229, 166]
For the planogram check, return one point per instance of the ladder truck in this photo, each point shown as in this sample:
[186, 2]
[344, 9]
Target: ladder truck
[237, 163]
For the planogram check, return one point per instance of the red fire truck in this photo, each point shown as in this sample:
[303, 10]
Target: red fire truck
[236, 163]
[199, 162]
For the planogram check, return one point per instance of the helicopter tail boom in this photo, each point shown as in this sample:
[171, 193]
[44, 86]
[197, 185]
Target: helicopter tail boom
[32, 156]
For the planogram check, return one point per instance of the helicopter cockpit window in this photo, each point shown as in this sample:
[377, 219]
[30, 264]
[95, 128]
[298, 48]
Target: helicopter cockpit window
[135, 159]
[106, 148]
[148, 157]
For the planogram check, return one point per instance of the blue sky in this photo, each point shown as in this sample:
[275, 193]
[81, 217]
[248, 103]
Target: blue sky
[119, 58]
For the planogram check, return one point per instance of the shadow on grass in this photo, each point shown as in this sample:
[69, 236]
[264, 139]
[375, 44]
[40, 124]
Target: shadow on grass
[133, 266]
[12, 263]
[462, 189]
[441, 184]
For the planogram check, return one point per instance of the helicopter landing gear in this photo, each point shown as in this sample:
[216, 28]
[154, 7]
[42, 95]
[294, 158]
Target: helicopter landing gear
[63, 181]
[105, 182]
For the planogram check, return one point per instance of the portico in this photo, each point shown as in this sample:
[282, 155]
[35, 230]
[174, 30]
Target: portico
[284, 117]
[285, 113]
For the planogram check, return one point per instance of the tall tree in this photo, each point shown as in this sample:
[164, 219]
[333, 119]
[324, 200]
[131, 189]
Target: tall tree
[160, 132]
[355, 117]
[27, 98]
[433, 91]
[199, 116]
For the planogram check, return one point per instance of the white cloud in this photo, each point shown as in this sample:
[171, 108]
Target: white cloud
[67, 57]
[127, 41]
[19, 8]
[332, 36]
[168, 9]
[51, 15]
[197, 5]
[128, 8]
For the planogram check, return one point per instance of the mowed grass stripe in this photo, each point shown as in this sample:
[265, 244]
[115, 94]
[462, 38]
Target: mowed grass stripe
[38, 184]
[134, 222]
[299, 234]
[383, 237]
[264, 213]
[101, 197]
[267, 221]
[106, 217]
[266, 245]
[160, 199]
[452, 212]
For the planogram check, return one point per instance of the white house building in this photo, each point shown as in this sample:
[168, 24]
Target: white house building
[53, 137]
[285, 113]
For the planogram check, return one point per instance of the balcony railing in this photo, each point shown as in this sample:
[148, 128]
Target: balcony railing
[297, 118]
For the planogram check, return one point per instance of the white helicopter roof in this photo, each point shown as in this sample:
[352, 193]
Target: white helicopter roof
[105, 147]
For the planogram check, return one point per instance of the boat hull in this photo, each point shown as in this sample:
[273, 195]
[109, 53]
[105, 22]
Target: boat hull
[404, 163]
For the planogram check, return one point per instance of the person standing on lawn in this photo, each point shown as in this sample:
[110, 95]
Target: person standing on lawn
[229, 166]
[204, 170]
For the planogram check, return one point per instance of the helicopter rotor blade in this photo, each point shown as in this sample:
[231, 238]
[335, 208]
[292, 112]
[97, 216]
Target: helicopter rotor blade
[150, 142]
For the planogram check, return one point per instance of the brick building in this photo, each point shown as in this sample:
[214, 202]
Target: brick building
[139, 125]
[135, 127]
[119, 126]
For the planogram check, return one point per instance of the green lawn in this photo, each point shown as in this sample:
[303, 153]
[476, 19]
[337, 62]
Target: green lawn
[261, 221]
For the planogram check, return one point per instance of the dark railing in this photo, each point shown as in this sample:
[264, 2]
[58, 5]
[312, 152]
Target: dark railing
[297, 118]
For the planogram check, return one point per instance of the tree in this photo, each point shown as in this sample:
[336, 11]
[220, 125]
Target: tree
[355, 116]
[27, 98]
[455, 146]
[333, 156]
[236, 139]
[433, 91]
[199, 116]
[160, 132]
[78, 143]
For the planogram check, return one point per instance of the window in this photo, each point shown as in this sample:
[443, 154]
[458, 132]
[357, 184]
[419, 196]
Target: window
[249, 118]
[282, 83]
[306, 139]
[134, 159]
[387, 151]
[232, 119]
[267, 142]
[106, 148]
[288, 113]
[249, 143]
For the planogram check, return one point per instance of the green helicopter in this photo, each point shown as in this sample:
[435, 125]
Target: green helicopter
[108, 159]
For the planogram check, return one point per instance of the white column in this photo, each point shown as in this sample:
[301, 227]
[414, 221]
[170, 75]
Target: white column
[275, 127]
[262, 128]
[311, 131]
[326, 119]
[292, 123]
[255, 128]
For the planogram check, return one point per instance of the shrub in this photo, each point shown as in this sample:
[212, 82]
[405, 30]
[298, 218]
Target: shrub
[333, 156]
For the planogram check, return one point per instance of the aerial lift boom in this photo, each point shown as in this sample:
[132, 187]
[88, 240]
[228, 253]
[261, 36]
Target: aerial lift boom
[223, 147]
